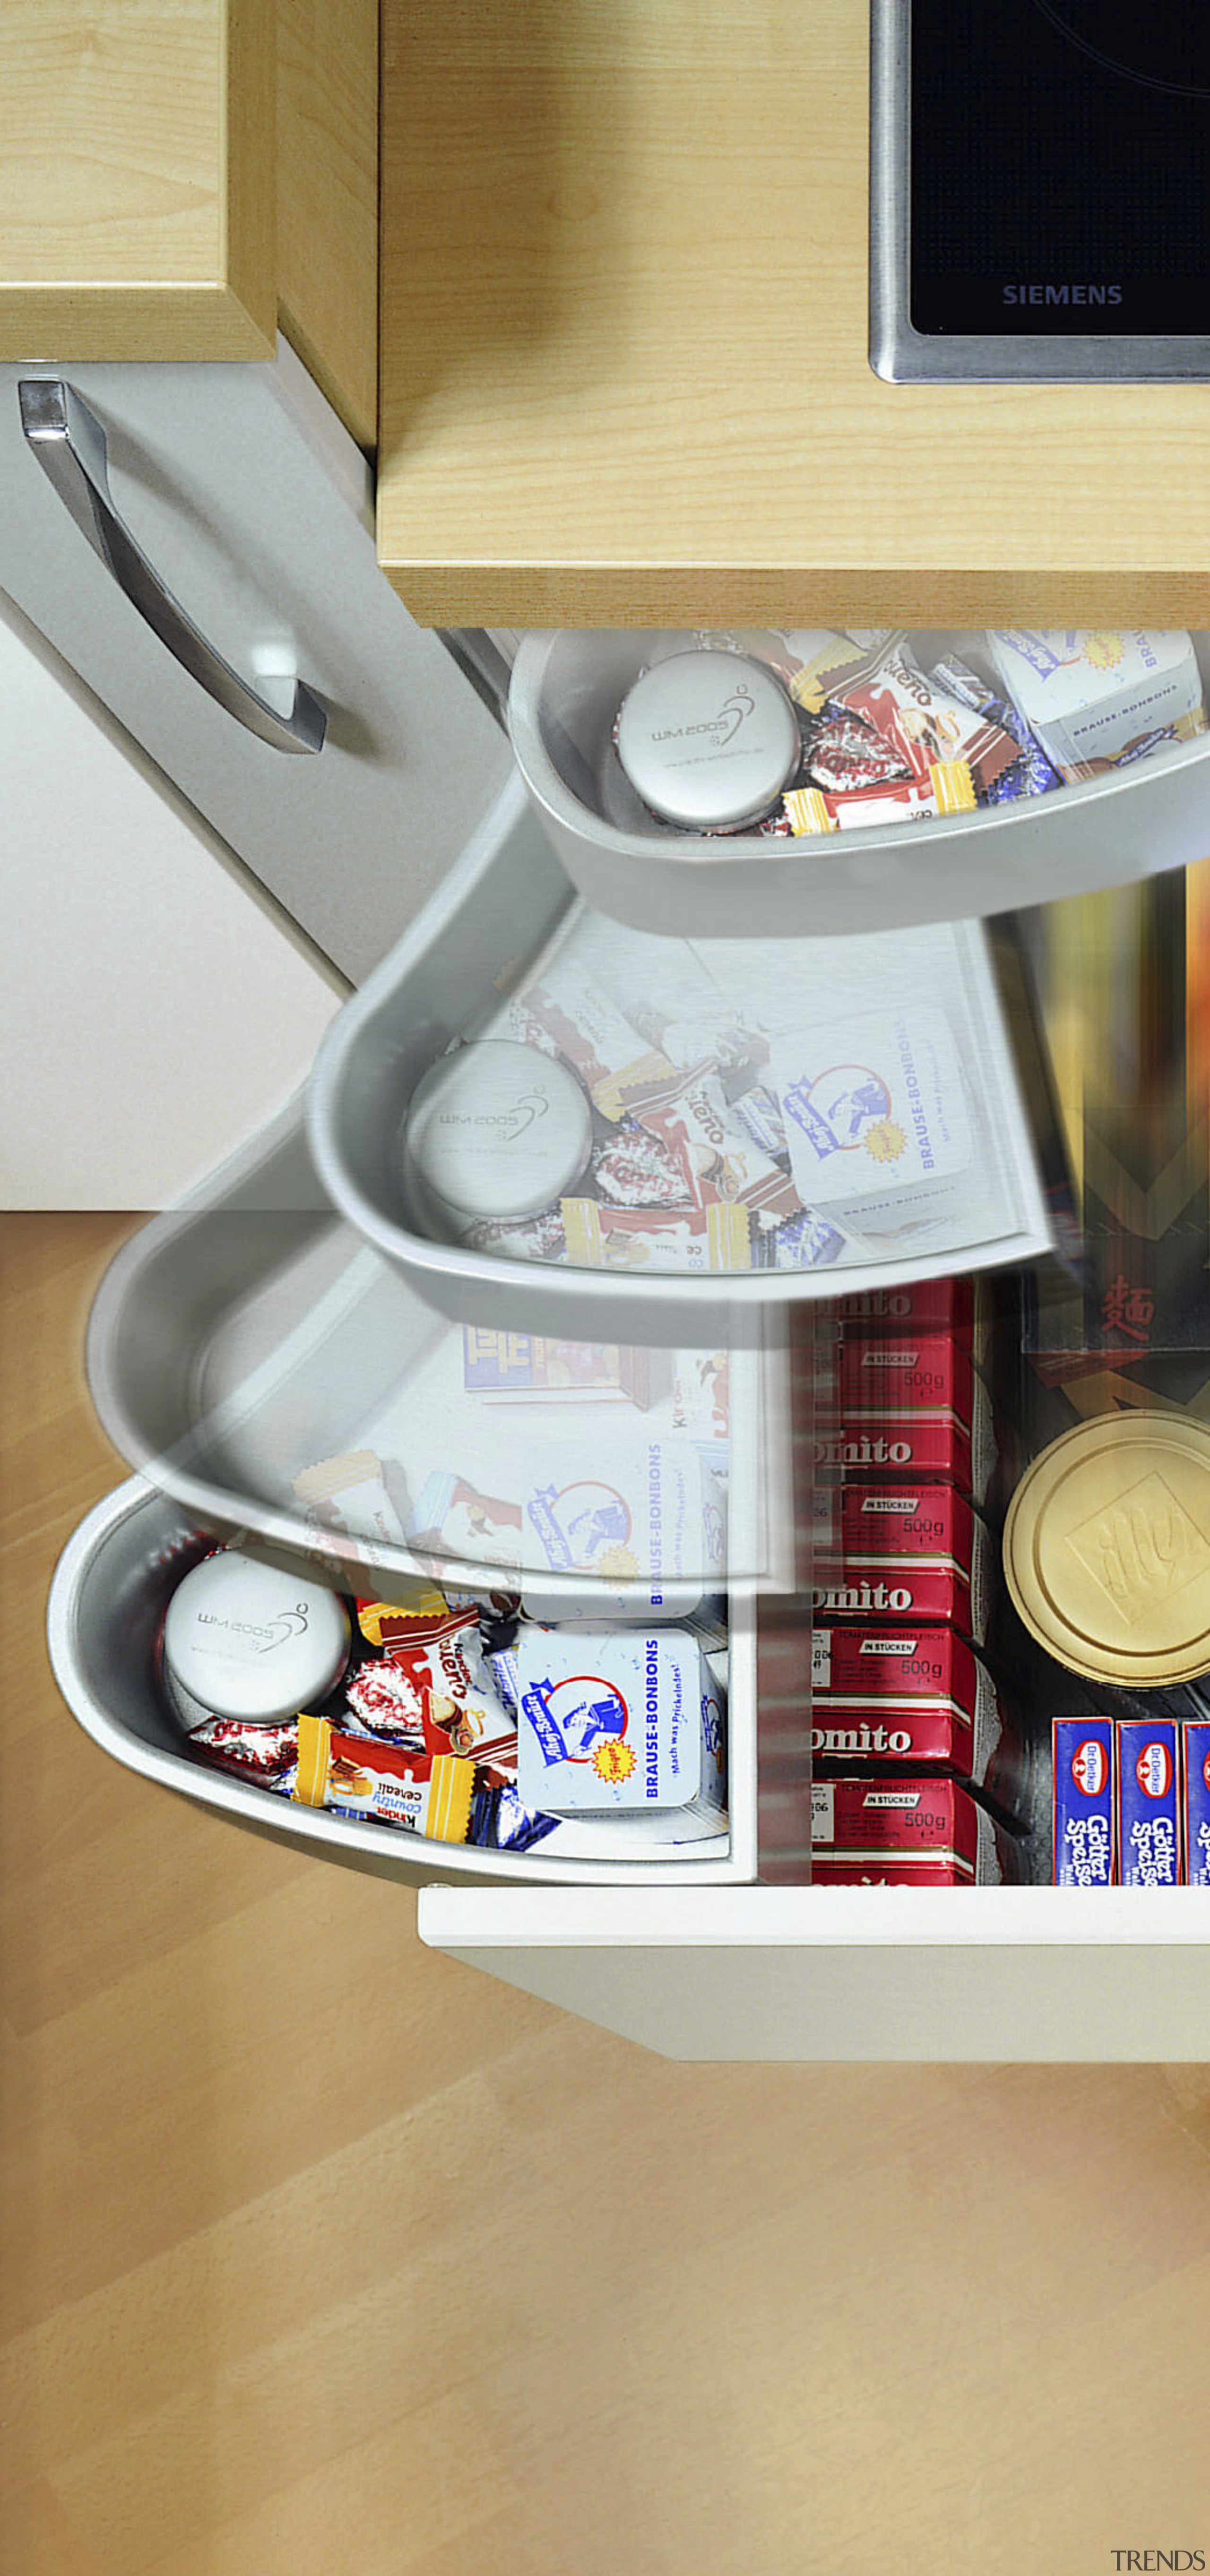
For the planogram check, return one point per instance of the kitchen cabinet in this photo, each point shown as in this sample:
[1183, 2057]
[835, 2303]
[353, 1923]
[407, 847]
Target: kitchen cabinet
[624, 355]
[180, 183]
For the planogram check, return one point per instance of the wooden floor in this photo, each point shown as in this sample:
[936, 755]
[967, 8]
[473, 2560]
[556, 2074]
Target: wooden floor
[326, 2257]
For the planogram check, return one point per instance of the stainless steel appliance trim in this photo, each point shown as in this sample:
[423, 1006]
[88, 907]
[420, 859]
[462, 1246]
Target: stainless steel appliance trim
[904, 356]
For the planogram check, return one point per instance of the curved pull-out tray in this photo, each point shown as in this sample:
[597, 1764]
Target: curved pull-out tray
[506, 922]
[253, 1360]
[1104, 831]
[107, 1604]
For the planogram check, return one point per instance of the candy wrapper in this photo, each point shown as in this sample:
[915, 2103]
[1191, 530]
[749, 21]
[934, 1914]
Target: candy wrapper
[422, 1793]
[598, 1043]
[715, 1152]
[1031, 774]
[842, 752]
[250, 1751]
[350, 1494]
[716, 1237]
[948, 789]
[636, 1168]
[923, 723]
[499, 1822]
[804, 1242]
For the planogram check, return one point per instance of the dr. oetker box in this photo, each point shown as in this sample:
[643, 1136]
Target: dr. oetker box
[1196, 1785]
[1149, 1804]
[1084, 1802]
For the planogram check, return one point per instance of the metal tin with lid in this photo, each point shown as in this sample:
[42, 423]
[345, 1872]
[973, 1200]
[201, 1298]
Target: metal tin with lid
[708, 739]
[1107, 1550]
[495, 1130]
[244, 1638]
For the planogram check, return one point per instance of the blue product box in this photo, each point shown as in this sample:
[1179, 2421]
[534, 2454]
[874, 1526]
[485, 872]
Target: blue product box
[1084, 1854]
[1196, 1748]
[1149, 1802]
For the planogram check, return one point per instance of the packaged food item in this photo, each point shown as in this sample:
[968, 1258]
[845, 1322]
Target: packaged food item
[251, 1751]
[715, 1152]
[504, 1365]
[930, 1447]
[887, 1698]
[417, 1609]
[635, 1167]
[248, 1640]
[884, 1373]
[948, 789]
[843, 752]
[1084, 1802]
[804, 657]
[701, 1394]
[1107, 1551]
[654, 1511]
[904, 1551]
[708, 740]
[608, 1055]
[1195, 1784]
[918, 1306]
[1149, 1823]
[616, 1719]
[350, 1494]
[632, 1604]
[494, 1130]
[905, 1833]
[923, 722]
[1091, 696]
[876, 1120]
[535, 1238]
[423, 1793]
[717, 1236]
[802, 1242]
[1031, 774]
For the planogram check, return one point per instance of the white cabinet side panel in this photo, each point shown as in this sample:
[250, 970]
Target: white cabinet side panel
[154, 1013]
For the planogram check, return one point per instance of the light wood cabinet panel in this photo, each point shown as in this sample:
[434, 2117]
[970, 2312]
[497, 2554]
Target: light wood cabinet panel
[175, 179]
[624, 368]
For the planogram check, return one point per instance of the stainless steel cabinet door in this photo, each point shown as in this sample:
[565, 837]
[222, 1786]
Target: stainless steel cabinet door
[227, 506]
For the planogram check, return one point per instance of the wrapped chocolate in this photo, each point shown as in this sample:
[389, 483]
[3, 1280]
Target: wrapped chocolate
[422, 1793]
[350, 1494]
[843, 752]
[1031, 774]
[599, 1044]
[713, 1237]
[534, 1238]
[717, 1154]
[635, 1168]
[924, 723]
[949, 789]
[249, 1750]
[382, 1700]
[803, 1242]
[416, 1610]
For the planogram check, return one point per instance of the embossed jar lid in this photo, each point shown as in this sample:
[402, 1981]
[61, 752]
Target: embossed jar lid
[708, 739]
[1107, 1549]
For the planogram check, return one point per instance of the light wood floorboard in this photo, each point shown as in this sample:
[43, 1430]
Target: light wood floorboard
[325, 2256]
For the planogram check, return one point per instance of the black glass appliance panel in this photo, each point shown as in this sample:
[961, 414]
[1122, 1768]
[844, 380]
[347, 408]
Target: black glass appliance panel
[1060, 167]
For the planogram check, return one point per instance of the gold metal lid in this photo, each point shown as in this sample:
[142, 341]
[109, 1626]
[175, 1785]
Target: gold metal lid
[1107, 1549]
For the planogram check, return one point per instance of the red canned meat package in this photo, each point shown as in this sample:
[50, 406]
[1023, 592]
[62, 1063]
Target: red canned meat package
[903, 1551]
[905, 1833]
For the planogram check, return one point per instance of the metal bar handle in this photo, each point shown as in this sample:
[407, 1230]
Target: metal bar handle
[69, 443]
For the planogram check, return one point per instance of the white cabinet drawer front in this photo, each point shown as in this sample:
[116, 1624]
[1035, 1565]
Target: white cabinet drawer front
[1110, 830]
[252, 504]
[1030, 1973]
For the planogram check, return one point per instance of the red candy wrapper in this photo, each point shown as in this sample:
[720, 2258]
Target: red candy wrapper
[720, 1159]
[251, 1752]
[948, 789]
[923, 723]
[421, 1792]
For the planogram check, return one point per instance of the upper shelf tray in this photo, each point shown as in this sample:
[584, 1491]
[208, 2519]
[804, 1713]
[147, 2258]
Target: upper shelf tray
[1108, 830]
[721, 1182]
